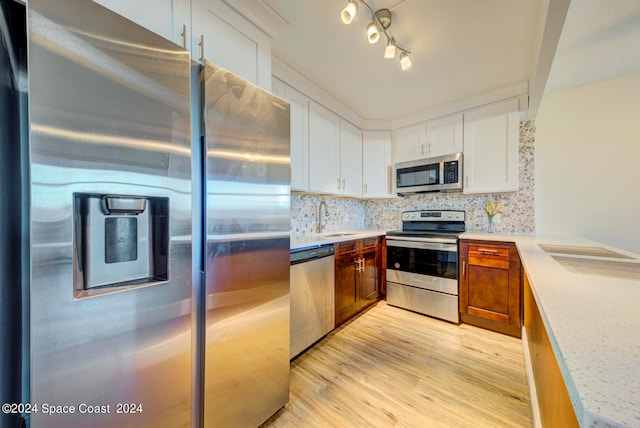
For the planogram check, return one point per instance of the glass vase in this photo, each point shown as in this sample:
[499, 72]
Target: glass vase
[490, 228]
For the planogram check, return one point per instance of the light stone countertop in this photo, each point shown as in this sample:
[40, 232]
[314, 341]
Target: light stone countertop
[593, 323]
[305, 241]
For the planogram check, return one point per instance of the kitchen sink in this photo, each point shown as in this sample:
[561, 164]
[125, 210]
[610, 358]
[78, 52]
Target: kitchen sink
[582, 251]
[608, 268]
[337, 235]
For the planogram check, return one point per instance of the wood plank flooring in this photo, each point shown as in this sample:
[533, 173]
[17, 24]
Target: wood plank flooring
[394, 368]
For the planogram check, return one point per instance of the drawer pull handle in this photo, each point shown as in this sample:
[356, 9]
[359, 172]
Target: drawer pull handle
[487, 251]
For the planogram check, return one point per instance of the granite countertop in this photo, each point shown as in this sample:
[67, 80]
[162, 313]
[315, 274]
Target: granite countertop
[590, 305]
[315, 240]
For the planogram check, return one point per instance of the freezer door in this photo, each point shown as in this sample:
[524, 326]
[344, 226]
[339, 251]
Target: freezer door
[247, 251]
[109, 119]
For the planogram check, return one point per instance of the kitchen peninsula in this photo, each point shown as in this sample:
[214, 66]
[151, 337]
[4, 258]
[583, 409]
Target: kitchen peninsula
[587, 295]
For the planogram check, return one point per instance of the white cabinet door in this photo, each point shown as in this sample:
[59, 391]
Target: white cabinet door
[444, 135]
[376, 164]
[350, 160]
[324, 150]
[167, 18]
[410, 143]
[226, 38]
[299, 133]
[491, 148]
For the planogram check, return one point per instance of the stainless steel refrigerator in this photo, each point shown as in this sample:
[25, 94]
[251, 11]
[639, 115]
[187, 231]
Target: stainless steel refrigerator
[158, 231]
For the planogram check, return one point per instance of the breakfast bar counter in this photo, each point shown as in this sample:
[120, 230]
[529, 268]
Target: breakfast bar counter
[588, 296]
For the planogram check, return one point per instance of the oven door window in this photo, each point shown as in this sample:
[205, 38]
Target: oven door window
[422, 175]
[425, 261]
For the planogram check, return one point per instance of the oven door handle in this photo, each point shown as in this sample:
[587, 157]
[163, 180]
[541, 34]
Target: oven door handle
[453, 248]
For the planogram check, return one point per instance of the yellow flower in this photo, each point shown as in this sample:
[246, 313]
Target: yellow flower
[493, 208]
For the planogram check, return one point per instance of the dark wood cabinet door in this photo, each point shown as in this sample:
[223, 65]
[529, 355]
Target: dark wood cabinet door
[369, 278]
[358, 276]
[490, 286]
[488, 293]
[346, 287]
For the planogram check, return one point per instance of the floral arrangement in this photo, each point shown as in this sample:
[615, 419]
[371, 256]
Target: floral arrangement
[492, 209]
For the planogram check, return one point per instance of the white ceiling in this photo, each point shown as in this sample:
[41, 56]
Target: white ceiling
[461, 50]
[600, 40]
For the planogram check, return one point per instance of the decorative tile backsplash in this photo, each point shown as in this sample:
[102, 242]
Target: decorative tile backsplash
[344, 214]
[347, 214]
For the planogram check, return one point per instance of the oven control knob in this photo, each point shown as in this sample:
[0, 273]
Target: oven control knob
[397, 265]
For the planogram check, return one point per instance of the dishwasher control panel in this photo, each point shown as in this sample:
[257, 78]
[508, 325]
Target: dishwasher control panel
[302, 255]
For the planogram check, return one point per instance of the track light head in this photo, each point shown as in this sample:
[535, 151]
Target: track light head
[372, 33]
[349, 12]
[405, 61]
[390, 50]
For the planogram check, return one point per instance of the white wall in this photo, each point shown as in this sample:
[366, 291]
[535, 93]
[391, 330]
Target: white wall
[587, 166]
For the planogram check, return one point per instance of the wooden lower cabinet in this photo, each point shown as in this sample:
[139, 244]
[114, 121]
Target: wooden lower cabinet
[554, 404]
[358, 276]
[491, 286]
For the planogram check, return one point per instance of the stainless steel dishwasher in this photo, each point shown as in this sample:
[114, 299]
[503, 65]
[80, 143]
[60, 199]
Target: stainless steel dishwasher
[312, 296]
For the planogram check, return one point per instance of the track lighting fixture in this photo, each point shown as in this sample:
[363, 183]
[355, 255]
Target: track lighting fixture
[380, 23]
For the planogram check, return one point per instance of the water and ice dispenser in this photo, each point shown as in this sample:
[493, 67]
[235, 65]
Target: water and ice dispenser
[120, 241]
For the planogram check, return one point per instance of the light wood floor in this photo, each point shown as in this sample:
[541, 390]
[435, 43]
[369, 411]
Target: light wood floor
[391, 367]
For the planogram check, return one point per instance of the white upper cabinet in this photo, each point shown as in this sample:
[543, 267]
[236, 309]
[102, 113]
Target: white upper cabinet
[350, 160]
[226, 38]
[335, 153]
[167, 18]
[324, 150]
[210, 29]
[376, 164]
[410, 143]
[491, 148]
[299, 133]
[436, 137]
[444, 135]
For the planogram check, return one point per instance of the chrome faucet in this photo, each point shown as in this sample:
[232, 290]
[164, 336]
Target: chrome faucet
[319, 225]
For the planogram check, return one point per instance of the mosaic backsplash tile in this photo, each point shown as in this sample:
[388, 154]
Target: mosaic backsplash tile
[344, 214]
[347, 214]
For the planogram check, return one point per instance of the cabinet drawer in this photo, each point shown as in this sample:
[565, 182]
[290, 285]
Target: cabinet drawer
[369, 243]
[493, 252]
[346, 247]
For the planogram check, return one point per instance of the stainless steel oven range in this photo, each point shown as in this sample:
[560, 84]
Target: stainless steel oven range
[422, 263]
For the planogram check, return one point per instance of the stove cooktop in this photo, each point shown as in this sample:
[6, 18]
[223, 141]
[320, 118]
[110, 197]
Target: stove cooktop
[431, 224]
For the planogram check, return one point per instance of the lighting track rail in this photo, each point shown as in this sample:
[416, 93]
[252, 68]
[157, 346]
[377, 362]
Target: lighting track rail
[381, 21]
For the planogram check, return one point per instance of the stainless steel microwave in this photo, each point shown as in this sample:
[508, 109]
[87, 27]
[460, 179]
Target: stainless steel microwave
[437, 174]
